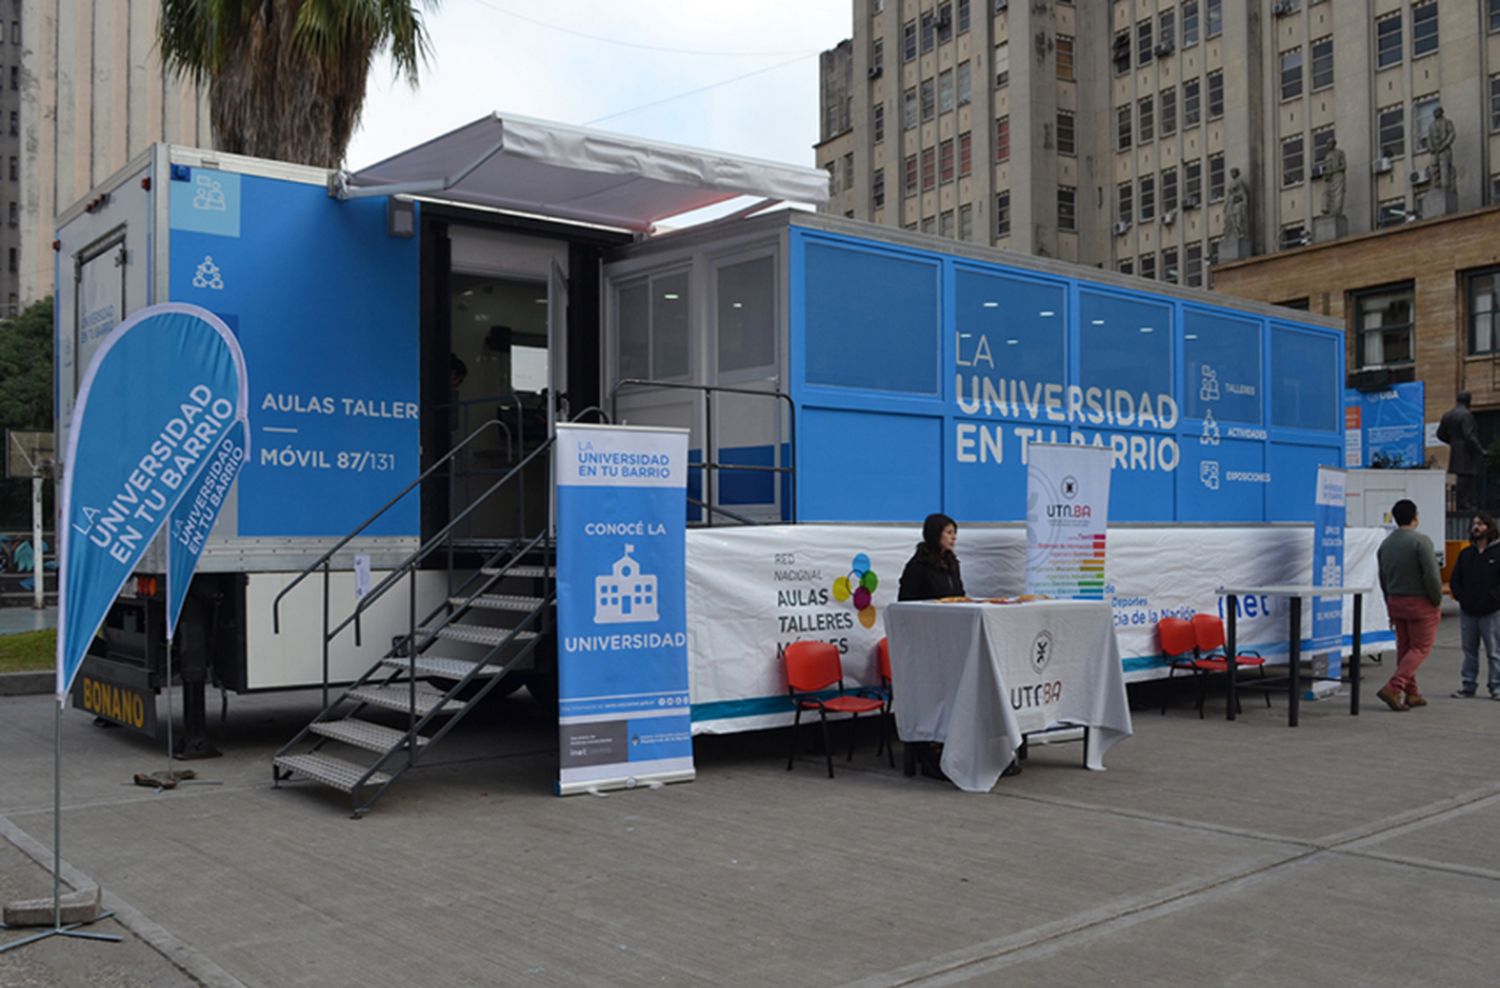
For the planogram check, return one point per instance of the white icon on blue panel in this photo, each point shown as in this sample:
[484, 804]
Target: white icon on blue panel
[1210, 435]
[1333, 573]
[208, 275]
[208, 195]
[1209, 389]
[626, 595]
[1208, 472]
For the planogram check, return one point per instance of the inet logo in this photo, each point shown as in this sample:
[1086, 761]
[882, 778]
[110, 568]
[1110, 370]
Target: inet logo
[626, 595]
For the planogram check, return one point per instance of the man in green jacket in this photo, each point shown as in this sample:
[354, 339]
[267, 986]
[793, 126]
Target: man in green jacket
[1413, 591]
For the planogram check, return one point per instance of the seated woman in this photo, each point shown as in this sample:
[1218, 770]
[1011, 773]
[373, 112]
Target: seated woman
[933, 572]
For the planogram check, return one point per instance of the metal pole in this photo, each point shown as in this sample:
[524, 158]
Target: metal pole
[1295, 700]
[1359, 600]
[57, 815]
[1231, 603]
[325, 634]
[168, 691]
[38, 596]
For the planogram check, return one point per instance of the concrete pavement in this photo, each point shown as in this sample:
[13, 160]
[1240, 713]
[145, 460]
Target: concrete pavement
[1346, 851]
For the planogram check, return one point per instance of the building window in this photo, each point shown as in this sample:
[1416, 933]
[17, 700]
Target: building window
[1484, 311]
[1293, 159]
[1392, 120]
[15, 170]
[848, 171]
[1388, 40]
[965, 83]
[15, 219]
[1064, 57]
[909, 180]
[1169, 190]
[1121, 52]
[1384, 326]
[1192, 103]
[945, 161]
[1495, 100]
[908, 41]
[1067, 135]
[1215, 177]
[1189, 23]
[1193, 260]
[945, 91]
[964, 16]
[1390, 212]
[1215, 18]
[929, 169]
[1125, 266]
[1192, 183]
[1293, 235]
[1002, 64]
[1215, 94]
[1423, 113]
[929, 99]
[966, 222]
[1148, 198]
[1168, 111]
[1067, 208]
[944, 23]
[1143, 54]
[877, 189]
[929, 32]
[1291, 73]
[1494, 14]
[965, 154]
[1146, 115]
[11, 262]
[15, 77]
[1002, 214]
[1122, 128]
[1002, 139]
[1169, 271]
[877, 122]
[909, 108]
[877, 56]
[1424, 28]
[1322, 63]
[946, 225]
[1147, 264]
[1166, 30]
[929, 224]
[1125, 197]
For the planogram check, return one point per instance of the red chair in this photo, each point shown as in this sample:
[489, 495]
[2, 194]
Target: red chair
[811, 669]
[1185, 644]
[884, 693]
[1208, 629]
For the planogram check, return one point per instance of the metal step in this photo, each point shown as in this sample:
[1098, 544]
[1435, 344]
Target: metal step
[432, 665]
[499, 602]
[330, 771]
[363, 734]
[398, 697]
[478, 634]
[519, 572]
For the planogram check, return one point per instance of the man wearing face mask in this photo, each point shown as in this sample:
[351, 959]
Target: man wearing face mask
[1475, 584]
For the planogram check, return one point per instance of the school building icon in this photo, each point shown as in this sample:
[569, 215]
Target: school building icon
[626, 595]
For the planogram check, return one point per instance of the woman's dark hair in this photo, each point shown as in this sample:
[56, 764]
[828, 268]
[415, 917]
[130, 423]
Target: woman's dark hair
[931, 548]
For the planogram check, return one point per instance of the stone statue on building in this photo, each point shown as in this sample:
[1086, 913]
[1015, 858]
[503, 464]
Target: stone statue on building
[1440, 137]
[1335, 165]
[1237, 208]
[1465, 452]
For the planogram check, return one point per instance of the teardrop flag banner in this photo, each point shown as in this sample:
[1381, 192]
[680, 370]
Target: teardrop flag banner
[195, 514]
[164, 391]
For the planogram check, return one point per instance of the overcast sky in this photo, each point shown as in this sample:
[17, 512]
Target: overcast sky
[519, 56]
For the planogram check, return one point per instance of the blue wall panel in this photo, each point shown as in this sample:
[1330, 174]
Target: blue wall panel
[868, 466]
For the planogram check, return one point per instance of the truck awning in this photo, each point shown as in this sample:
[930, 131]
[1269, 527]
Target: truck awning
[590, 176]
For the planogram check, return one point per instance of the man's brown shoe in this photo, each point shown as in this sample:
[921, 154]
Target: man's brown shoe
[1416, 700]
[1392, 698]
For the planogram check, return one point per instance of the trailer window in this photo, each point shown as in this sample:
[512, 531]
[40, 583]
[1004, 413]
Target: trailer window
[1304, 375]
[747, 315]
[1125, 344]
[1008, 329]
[1222, 360]
[635, 331]
[670, 306]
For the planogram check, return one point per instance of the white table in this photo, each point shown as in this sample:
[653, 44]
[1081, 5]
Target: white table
[980, 677]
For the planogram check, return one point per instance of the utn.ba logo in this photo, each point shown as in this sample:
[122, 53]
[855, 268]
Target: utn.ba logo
[1077, 512]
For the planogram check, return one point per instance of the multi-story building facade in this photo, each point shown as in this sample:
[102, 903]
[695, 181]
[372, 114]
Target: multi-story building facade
[84, 91]
[1105, 131]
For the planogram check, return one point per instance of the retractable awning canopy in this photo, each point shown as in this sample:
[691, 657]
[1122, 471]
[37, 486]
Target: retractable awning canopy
[548, 169]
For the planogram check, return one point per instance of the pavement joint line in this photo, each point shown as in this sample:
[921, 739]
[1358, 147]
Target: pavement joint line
[1413, 819]
[195, 792]
[1425, 864]
[1170, 821]
[186, 958]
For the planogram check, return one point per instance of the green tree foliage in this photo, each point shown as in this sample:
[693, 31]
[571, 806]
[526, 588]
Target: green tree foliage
[25, 396]
[287, 77]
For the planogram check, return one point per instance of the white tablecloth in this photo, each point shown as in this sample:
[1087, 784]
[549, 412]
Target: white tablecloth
[978, 676]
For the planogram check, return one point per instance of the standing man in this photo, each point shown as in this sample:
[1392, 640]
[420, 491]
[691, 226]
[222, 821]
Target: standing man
[1475, 583]
[1413, 591]
[1458, 429]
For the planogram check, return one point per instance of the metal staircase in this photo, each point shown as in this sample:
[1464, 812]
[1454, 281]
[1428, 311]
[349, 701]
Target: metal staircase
[488, 628]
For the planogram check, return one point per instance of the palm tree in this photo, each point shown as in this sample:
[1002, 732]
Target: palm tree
[287, 77]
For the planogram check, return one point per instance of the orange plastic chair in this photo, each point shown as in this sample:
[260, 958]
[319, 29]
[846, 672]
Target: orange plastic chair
[811, 669]
[1208, 630]
[1179, 643]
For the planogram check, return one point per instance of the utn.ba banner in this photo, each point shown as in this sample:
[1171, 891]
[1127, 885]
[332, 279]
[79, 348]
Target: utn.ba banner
[624, 712]
[1067, 512]
[163, 391]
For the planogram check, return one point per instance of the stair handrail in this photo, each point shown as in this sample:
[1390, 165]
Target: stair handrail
[324, 559]
[707, 466]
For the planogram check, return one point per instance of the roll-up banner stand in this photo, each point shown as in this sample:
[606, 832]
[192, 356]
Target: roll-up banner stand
[624, 715]
[1067, 512]
[1329, 509]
